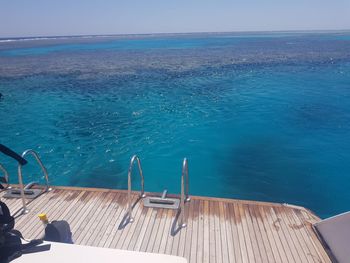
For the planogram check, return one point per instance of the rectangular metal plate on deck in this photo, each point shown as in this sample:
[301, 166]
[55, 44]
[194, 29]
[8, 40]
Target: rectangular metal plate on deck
[158, 202]
[16, 193]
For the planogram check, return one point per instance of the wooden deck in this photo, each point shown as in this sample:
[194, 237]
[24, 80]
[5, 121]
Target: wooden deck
[219, 230]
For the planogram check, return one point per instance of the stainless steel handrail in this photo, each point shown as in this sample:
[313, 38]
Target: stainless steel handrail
[20, 177]
[142, 195]
[6, 175]
[184, 195]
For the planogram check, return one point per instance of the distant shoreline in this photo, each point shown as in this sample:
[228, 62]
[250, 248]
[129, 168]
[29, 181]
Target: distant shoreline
[33, 38]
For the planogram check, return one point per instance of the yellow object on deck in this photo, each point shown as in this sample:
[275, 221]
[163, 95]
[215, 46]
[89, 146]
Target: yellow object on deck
[43, 218]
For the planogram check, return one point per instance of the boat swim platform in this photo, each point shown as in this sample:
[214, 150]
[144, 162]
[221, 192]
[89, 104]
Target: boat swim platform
[218, 230]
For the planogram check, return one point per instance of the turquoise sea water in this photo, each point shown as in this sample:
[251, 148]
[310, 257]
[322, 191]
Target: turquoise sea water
[259, 116]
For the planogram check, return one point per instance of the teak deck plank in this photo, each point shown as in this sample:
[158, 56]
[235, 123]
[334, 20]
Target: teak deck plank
[234, 233]
[267, 233]
[230, 243]
[288, 234]
[275, 237]
[94, 221]
[297, 240]
[252, 234]
[122, 227]
[149, 217]
[205, 231]
[218, 250]
[182, 235]
[130, 228]
[159, 235]
[299, 224]
[136, 233]
[166, 236]
[189, 229]
[212, 253]
[106, 237]
[244, 237]
[318, 246]
[156, 225]
[194, 240]
[218, 230]
[83, 217]
[90, 217]
[149, 230]
[98, 232]
[258, 235]
[279, 229]
[172, 234]
[200, 232]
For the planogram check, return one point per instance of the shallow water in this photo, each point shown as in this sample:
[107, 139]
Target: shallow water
[262, 117]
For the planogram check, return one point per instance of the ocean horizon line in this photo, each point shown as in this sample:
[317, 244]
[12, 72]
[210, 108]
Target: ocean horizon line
[85, 36]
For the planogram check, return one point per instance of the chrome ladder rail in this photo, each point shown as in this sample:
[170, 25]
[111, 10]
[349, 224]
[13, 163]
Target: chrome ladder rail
[142, 194]
[184, 193]
[20, 177]
[6, 176]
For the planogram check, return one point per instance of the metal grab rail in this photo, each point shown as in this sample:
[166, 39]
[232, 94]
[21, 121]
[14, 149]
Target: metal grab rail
[20, 177]
[6, 176]
[184, 195]
[142, 195]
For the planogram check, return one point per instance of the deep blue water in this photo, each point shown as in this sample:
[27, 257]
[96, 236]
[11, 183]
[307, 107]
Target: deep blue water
[259, 116]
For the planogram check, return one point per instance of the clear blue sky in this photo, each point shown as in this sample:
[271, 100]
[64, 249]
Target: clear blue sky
[75, 17]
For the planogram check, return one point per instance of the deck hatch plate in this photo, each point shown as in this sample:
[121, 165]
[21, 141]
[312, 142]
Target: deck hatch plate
[28, 193]
[158, 202]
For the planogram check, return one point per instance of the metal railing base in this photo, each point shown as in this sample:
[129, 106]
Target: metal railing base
[184, 193]
[20, 177]
[142, 194]
[25, 211]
